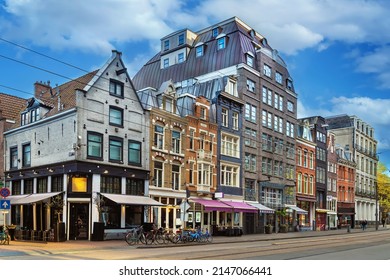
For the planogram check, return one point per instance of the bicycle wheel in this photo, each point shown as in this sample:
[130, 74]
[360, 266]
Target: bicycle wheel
[131, 238]
[141, 238]
[149, 238]
[159, 238]
[209, 238]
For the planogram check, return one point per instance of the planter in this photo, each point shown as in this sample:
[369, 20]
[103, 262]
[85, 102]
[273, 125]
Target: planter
[283, 228]
[268, 229]
[98, 231]
[59, 232]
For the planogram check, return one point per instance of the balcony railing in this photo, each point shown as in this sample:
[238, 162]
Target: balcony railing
[204, 155]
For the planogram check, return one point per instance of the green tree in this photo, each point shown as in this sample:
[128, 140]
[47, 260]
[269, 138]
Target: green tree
[383, 188]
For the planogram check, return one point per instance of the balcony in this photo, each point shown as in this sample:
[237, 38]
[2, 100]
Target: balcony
[203, 189]
[204, 155]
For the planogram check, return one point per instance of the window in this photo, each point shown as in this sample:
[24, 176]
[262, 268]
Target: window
[134, 187]
[24, 119]
[250, 137]
[230, 146]
[221, 43]
[290, 106]
[95, 145]
[267, 96]
[266, 119]
[166, 45]
[231, 87]
[278, 124]
[289, 84]
[266, 142]
[278, 104]
[134, 152]
[115, 149]
[250, 162]
[110, 184]
[266, 166]
[166, 62]
[225, 117]
[204, 174]
[57, 183]
[116, 116]
[267, 70]
[249, 60]
[26, 157]
[191, 138]
[250, 113]
[158, 137]
[14, 157]
[175, 177]
[203, 113]
[215, 32]
[181, 39]
[28, 186]
[176, 142]
[169, 105]
[229, 175]
[16, 187]
[290, 129]
[250, 85]
[158, 174]
[278, 77]
[42, 185]
[199, 51]
[34, 115]
[116, 88]
[180, 57]
[235, 120]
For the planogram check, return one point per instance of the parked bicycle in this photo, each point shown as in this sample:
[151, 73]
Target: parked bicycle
[155, 235]
[4, 236]
[136, 236]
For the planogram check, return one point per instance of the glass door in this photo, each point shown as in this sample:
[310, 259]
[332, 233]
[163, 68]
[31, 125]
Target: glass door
[79, 221]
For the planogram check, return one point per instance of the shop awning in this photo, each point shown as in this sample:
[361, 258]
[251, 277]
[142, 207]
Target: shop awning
[132, 199]
[262, 208]
[239, 206]
[33, 198]
[212, 205]
[15, 198]
[296, 208]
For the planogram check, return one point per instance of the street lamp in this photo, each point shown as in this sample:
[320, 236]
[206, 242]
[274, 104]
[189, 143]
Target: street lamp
[376, 206]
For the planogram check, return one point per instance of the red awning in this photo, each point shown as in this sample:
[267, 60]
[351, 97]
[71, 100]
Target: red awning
[212, 205]
[240, 206]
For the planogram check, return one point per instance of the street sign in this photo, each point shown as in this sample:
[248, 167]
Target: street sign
[5, 204]
[4, 192]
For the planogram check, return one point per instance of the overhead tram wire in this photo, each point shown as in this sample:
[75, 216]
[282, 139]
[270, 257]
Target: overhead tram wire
[72, 79]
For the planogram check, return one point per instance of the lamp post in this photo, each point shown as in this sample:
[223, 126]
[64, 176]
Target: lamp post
[376, 206]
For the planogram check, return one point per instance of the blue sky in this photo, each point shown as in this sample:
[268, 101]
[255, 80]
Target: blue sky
[337, 51]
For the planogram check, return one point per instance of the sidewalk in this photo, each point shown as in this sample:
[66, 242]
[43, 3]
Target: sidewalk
[28, 246]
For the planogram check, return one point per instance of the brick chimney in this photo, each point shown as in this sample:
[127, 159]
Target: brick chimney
[41, 89]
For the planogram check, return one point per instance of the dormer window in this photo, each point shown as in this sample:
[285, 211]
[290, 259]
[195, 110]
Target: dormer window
[215, 32]
[30, 116]
[181, 40]
[199, 51]
[221, 42]
[249, 59]
[166, 45]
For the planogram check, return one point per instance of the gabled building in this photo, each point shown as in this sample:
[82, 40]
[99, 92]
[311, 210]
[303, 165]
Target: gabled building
[331, 197]
[346, 169]
[254, 102]
[82, 145]
[357, 137]
[306, 176]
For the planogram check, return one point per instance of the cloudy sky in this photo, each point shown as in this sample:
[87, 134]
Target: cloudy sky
[337, 51]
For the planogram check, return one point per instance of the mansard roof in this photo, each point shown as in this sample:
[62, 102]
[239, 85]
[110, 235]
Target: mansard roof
[239, 43]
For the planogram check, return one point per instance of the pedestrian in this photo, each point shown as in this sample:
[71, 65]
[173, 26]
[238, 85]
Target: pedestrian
[364, 224]
[383, 222]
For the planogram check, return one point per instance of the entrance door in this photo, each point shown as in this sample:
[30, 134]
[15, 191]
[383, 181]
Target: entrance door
[79, 221]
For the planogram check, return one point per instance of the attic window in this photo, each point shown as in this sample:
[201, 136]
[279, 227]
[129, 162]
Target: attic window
[116, 88]
[221, 41]
[181, 39]
[249, 59]
[215, 31]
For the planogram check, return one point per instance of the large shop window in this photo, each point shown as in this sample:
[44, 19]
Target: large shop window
[133, 215]
[79, 184]
[111, 214]
[110, 184]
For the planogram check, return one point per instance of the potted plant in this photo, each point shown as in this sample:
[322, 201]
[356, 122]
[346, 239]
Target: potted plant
[283, 228]
[268, 228]
[98, 227]
[57, 204]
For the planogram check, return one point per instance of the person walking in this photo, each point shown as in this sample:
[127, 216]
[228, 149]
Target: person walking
[383, 222]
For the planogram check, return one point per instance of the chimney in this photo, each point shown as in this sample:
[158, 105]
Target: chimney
[41, 88]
